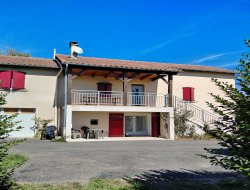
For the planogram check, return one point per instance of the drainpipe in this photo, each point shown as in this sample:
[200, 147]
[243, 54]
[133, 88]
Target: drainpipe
[65, 98]
[56, 93]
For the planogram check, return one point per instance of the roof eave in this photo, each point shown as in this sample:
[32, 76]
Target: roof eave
[173, 71]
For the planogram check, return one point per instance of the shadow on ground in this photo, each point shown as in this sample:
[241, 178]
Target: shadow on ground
[185, 179]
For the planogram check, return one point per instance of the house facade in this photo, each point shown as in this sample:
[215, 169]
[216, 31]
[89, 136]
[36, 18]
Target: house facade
[120, 97]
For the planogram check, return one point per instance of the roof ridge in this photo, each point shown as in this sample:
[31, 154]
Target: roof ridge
[11, 56]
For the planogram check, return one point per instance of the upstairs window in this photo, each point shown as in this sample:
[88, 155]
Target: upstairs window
[188, 94]
[14, 80]
[105, 88]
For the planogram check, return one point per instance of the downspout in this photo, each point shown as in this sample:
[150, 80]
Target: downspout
[56, 93]
[65, 98]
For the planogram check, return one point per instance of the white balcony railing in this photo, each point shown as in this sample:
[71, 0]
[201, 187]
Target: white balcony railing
[91, 97]
[147, 99]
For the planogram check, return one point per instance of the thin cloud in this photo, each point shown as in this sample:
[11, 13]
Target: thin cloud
[209, 58]
[215, 56]
[188, 31]
[155, 47]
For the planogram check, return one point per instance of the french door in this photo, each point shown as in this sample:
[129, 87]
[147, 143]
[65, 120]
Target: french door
[138, 94]
[136, 125]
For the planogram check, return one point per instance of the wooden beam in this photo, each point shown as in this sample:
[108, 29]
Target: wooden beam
[106, 76]
[170, 90]
[134, 75]
[162, 78]
[93, 74]
[69, 85]
[158, 77]
[125, 88]
[117, 76]
[81, 72]
[146, 76]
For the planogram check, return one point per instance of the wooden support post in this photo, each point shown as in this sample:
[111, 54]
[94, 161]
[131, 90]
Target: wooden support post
[170, 90]
[125, 89]
[69, 85]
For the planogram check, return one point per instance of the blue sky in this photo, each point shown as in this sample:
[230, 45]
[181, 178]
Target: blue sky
[176, 31]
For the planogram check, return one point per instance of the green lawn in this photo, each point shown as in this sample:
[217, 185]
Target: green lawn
[13, 161]
[120, 184]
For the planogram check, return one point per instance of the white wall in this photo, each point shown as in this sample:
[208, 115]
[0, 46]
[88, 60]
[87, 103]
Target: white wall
[39, 94]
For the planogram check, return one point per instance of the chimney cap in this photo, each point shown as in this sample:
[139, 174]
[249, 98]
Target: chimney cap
[73, 43]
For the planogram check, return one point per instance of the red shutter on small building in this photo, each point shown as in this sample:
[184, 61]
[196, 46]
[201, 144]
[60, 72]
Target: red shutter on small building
[18, 80]
[5, 79]
[188, 94]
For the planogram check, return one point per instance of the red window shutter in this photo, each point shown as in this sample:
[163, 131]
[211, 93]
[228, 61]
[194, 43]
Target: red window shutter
[188, 93]
[5, 79]
[192, 94]
[18, 80]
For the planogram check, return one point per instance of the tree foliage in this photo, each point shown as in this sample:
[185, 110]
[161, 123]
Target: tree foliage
[14, 52]
[7, 125]
[233, 128]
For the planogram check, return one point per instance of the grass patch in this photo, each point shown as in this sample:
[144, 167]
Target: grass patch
[13, 161]
[94, 184]
[120, 184]
[60, 139]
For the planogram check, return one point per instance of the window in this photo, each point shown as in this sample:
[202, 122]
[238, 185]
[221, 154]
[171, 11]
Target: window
[14, 80]
[188, 94]
[94, 122]
[105, 88]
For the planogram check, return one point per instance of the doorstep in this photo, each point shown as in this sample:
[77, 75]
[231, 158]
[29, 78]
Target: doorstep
[105, 139]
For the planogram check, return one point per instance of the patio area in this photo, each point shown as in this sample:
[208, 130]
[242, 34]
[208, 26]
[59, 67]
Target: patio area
[105, 139]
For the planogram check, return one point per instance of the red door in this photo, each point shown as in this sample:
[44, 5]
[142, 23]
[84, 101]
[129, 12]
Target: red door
[116, 125]
[155, 124]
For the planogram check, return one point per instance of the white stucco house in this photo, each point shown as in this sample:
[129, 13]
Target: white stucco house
[121, 97]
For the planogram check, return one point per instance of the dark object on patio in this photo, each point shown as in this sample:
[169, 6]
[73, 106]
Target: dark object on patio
[49, 132]
[87, 132]
[75, 133]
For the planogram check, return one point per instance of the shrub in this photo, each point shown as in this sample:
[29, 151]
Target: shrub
[7, 125]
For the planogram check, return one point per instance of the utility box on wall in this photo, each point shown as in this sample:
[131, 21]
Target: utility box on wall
[188, 94]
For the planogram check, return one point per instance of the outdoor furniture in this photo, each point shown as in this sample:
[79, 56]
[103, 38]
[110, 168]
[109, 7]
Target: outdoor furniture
[98, 133]
[75, 133]
[87, 132]
[48, 133]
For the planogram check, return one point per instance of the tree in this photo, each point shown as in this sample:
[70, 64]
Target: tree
[233, 128]
[7, 125]
[13, 52]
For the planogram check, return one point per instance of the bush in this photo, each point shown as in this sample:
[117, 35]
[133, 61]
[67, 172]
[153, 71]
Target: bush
[40, 125]
[7, 125]
[233, 130]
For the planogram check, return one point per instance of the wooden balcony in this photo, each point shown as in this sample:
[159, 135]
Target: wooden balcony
[116, 98]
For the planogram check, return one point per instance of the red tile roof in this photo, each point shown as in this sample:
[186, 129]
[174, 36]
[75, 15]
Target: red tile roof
[27, 61]
[109, 63]
[140, 65]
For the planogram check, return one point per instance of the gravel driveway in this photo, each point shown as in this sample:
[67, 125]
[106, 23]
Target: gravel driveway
[52, 162]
